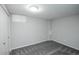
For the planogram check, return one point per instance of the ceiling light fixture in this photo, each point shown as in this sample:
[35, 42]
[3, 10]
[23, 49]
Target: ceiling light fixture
[33, 8]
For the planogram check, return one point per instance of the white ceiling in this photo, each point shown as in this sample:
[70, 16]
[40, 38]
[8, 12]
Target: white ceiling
[48, 11]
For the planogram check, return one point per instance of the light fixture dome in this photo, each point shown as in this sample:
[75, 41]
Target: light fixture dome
[33, 8]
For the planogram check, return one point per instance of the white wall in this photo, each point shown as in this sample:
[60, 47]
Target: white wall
[4, 31]
[66, 31]
[27, 33]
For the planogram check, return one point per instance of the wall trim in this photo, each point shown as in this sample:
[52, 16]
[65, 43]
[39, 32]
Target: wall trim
[5, 9]
[27, 45]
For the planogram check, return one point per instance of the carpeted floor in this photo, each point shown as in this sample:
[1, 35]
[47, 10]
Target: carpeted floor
[45, 48]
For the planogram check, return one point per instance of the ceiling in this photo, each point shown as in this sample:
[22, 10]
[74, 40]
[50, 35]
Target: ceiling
[48, 11]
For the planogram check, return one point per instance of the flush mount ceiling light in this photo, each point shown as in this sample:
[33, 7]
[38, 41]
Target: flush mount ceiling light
[33, 8]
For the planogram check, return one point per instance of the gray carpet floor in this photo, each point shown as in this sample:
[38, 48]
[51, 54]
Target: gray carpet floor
[45, 48]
